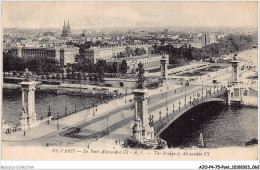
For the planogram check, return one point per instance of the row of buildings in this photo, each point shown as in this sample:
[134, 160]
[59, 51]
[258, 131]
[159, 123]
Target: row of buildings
[110, 51]
[63, 55]
[202, 39]
[67, 55]
[149, 61]
[47, 46]
[52, 45]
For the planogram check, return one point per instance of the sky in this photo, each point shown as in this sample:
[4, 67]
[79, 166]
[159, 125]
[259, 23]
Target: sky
[128, 14]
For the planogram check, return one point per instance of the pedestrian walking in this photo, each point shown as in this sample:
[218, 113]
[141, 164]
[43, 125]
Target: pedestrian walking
[24, 133]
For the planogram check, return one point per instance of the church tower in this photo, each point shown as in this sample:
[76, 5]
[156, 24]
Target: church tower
[66, 32]
[64, 26]
[68, 29]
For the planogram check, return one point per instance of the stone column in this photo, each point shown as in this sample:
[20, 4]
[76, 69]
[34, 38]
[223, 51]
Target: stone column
[29, 102]
[164, 68]
[33, 101]
[234, 71]
[141, 114]
[22, 98]
[27, 120]
[136, 111]
[144, 116]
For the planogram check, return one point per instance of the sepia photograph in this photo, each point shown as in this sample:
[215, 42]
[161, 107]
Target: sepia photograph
[121, 80]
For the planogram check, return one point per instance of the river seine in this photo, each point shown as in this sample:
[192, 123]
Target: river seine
[12, 104]
[220, 125]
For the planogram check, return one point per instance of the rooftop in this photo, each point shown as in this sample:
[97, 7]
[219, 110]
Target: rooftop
[118, 45]
[46, 48]
[140, 57]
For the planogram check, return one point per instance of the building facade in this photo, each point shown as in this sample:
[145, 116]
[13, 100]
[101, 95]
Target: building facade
[205, 39]
[149, 61]
[108, 52]
[63, 55]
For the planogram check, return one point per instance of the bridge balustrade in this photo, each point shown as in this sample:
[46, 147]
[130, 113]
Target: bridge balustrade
[163, 121]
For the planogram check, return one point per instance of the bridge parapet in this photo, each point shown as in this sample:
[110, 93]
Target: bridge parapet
[161, 124]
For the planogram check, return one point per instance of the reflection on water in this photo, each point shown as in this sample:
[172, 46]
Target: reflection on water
[12, 104]
[220, 125]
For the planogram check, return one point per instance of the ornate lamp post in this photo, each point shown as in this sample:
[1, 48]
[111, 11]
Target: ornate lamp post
[93, 105]
[65, 111]
[185, 94]
[167, 100]
[125, 94]
[49, 114]
[107, 125]
[202, 89]
[58, 116]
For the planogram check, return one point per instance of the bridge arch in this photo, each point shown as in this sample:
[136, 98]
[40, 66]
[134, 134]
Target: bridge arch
[167, 122]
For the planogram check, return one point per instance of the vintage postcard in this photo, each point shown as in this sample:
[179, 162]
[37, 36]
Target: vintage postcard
[129, 80]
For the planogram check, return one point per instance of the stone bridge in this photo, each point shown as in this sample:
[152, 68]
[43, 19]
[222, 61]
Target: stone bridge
[161, 124]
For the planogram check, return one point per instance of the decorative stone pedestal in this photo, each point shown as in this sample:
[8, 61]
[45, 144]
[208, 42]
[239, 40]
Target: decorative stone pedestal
[143, 130]
[164, 67]
[28, 115]
[234, 93]
[234, 79]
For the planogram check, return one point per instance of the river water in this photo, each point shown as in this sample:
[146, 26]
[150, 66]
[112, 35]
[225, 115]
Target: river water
[12, 104]
[220, 125]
